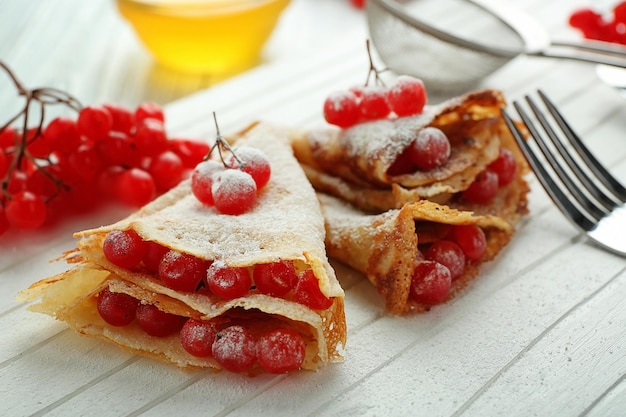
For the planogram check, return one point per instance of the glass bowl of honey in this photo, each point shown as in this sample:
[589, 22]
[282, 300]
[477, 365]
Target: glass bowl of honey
[215, 37]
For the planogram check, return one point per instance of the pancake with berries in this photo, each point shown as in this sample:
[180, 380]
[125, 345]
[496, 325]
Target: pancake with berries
[226, 271]
[418, 256]
[459, 153]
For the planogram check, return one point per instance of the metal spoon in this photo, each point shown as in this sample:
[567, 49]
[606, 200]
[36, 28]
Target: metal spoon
[613, 76]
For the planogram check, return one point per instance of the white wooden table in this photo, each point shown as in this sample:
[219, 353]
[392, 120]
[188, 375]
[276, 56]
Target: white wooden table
[541, 332]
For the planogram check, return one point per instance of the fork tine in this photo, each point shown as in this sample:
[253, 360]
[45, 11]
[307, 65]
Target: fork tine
[562, 177]
[552, 187]
[600, 205]
[614, 186]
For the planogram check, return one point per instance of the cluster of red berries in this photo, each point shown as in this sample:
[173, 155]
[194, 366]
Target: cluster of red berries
[184, 272]
[498, 174]
[406, 97]
[444, 262]
[230, 182]
[234, 347]
[179, 271]
[108, 153]
[595, 26]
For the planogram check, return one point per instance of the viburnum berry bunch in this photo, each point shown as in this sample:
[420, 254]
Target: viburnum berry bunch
[68, 165]
[230, 181]
[594, 25]
[406, 97]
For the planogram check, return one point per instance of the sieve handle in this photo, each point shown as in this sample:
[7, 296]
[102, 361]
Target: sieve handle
[588, 51]
[538, 43]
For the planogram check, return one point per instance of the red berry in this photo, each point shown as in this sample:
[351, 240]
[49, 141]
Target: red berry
[430, 283]
[85, 162]
[150, 137]
[403, 164]
[156, 322]
[234, 191]
[483, 189]
[17, 182]
[430, 149]
[8, 138]
[149, 110]
[235, 349]
[40, 183]
[471, 239]
[407, 96]
[190, 152]
[202, 180]
[119, 149]
[197, 337]
[374, 104]
[276, 278]
[280, 351]
[585, 18]
[26, 210]
[504, 166]
[153, 255]
[38, 145]
[341, 109]
[94, 122]
[358, 3]
[255, 163]
[117, 309]
[4, 165]
[228, 282]
[124, 248]
[619, 12]
[4, 223]
[136, 187]
[449, 254]
[108, 181]
[166, 170]
[63, 134]
[308, 293]
[122, 117]
[181, 271]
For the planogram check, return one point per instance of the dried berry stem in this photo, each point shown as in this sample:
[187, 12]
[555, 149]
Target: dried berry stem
[43, 97]
[222, 144]
[373, 71]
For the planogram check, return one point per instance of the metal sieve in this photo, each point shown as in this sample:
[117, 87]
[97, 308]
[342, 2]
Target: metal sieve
[452, 50]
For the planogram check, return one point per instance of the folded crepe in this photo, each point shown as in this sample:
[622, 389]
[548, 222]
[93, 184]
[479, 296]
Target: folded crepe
[285, 224]
[355, 164]
[388, 247]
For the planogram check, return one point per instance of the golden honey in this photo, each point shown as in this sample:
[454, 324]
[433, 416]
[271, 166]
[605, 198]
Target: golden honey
[215, 37]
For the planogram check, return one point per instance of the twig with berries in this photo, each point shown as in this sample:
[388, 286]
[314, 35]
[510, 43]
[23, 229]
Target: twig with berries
[346, 108]
[24, 150]
[72, 165]
[230, 183]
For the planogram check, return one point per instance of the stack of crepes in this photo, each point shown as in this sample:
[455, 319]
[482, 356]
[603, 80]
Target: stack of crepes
[285, 224]
[380, 223]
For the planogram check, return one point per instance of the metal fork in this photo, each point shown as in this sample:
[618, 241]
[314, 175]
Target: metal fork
[587, 194]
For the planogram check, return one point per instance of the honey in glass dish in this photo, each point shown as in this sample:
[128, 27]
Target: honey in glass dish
[217, 37]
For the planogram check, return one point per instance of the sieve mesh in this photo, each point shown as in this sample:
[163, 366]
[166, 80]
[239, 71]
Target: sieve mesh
[443, 64]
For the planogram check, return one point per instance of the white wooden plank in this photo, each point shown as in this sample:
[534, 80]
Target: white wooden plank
[587, 346]
[441, 368]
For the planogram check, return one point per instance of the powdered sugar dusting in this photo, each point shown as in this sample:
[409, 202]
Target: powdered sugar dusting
[285, 222]
[383, 139]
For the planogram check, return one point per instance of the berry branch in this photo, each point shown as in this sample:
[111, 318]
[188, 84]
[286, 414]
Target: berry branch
[22, 136]
[346, 108]
[54, 169]
[372, 69]
[221, 144]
